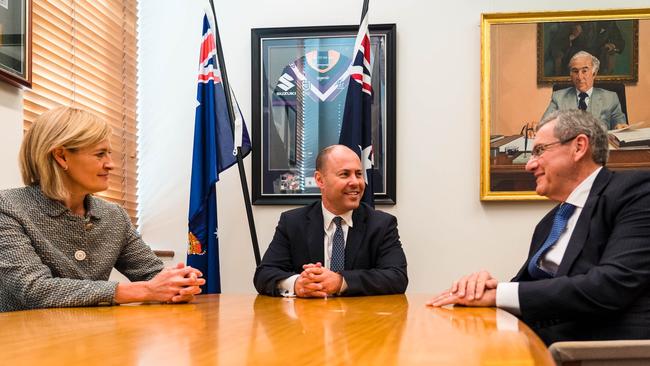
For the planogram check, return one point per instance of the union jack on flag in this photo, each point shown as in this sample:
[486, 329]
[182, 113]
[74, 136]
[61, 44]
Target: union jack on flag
[360, 69]
[356, 128]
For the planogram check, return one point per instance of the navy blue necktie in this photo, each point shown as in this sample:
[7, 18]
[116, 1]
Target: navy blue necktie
[559, 224]
[338, 247]
[582, 104]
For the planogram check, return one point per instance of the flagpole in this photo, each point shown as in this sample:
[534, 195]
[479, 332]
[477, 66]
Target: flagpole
[240, 160]
[364, 9]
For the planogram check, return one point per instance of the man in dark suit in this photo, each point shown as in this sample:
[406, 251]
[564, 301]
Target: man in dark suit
[587, 276]
[335, 246]
[602, 104]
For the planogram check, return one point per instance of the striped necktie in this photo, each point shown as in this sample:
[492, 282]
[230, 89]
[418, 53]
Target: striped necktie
[559, 224]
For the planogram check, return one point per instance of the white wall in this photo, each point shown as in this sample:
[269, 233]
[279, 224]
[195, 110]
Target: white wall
[446, 231]
[11, 133]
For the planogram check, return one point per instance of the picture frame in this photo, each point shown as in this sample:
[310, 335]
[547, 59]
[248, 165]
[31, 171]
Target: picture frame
[299, 87]
[16, 42]
[614, 42]
[513, 99]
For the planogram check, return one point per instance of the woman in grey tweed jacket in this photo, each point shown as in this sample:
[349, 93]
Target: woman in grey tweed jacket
[58, 243]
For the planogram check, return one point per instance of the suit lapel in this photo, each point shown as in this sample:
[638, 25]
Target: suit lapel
[570, 100]
[539, 237]
[315, 234]
[542, 232]
[581, 230]
[355, 235]
[595, 102]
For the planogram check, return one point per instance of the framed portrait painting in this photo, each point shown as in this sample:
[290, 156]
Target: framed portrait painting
[524, 61]
[15, 42]
[300, 78]
[614, 42]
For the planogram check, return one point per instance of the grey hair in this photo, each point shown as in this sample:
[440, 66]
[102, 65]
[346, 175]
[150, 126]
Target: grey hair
[594, 60]
[573, 122]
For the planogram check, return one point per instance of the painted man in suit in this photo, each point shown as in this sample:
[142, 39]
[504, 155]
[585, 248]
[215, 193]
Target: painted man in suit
[603, 104]
[336, 246]
[587, 276]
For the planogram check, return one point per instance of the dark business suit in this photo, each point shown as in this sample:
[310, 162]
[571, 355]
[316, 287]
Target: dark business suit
[602, 287]
[374, 260]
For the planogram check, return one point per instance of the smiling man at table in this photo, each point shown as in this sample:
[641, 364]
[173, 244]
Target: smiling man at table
[587, 276]
[336, 246]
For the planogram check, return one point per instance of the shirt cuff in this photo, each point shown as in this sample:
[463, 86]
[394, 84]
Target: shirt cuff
[344, 286]
[286, 286]
[508, 297]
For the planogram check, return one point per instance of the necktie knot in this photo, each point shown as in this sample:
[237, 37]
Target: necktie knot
[583, 95]
[565, 211]
[337, 221]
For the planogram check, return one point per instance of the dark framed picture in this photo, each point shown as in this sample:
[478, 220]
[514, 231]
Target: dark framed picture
[300, 77]
[614, 42]
[15, 42]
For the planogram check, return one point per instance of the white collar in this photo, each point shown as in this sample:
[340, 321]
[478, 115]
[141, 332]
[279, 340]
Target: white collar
[591, 90]
[580, 194]
[328, 217]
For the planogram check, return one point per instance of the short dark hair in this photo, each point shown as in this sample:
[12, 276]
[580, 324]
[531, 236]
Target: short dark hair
[573, 122]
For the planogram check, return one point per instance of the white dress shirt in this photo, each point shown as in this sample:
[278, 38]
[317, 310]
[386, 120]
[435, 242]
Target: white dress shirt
[508, 292]
[286, 286]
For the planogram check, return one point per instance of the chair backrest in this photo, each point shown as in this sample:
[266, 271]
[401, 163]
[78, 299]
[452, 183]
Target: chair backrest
[600, 353]
[618, 88]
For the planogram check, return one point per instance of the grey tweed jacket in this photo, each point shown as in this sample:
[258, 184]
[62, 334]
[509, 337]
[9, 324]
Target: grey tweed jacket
[50, 257]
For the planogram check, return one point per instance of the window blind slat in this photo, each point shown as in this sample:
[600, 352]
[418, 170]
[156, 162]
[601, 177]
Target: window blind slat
[85, 55]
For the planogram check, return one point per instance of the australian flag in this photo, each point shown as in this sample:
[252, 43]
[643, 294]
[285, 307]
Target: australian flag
[214, 152]
[356, 129]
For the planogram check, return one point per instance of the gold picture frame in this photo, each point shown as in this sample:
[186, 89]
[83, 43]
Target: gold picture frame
[512, 100]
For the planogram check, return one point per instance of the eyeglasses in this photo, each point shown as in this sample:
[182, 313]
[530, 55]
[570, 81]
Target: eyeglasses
[538, 150]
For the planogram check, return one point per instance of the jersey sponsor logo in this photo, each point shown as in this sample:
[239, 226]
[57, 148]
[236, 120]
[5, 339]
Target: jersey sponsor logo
[284, 93]
[285, 82]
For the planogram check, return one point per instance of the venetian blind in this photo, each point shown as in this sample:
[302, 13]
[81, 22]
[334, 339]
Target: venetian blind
[84, 55]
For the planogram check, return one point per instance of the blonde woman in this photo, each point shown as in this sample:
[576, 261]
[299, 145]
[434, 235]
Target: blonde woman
[59, 243]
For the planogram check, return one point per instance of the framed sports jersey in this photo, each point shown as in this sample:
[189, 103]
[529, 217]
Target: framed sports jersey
[300, 79]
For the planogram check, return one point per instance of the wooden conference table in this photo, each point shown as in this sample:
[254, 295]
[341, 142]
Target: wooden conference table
[251, 330]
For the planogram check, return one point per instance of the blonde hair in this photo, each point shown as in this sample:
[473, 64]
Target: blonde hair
[60, 127]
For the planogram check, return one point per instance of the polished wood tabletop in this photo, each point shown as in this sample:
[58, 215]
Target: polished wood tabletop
[259, 330]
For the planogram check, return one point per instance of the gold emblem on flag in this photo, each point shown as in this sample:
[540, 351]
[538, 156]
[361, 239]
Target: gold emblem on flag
[194, 245]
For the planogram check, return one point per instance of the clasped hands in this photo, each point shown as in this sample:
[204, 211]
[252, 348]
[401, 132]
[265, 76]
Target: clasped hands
[317, 281]
[475, 289]
[175, 284]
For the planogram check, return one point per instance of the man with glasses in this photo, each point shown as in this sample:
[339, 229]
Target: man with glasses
[587, 276]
